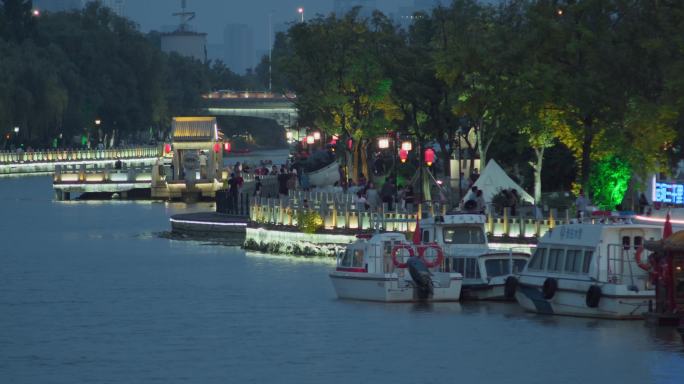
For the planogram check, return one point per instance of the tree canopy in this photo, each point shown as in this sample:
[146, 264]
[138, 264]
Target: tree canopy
[602, 78]
[62, 71]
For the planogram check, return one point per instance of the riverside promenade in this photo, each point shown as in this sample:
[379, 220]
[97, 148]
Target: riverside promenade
[274, 225]
[44, 161]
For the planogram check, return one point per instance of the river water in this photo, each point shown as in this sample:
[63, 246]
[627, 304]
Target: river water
[89, 293]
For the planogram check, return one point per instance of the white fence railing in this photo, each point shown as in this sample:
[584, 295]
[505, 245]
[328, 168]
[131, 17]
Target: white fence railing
[58, 155]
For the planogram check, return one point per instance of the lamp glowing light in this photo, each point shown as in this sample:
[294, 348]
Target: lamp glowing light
[429, 156]
[310, 139]
[317, 135]
[383, 143]
[403, 155]
[167, 148]
[35, 12]
[217, 147]
[16, 129]
[289, 135]
[98, 121]
[407, 146]
[227, 146]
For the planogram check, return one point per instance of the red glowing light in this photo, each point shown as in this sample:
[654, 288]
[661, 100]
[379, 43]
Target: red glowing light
[429, 156]
[403, 155]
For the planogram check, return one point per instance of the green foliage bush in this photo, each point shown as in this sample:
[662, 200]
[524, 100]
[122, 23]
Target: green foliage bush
[309, 222]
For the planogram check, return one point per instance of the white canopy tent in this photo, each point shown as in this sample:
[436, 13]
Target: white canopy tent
[493, 179]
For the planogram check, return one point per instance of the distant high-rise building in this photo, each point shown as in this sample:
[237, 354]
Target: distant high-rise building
[341, 7]
[238, 40]
[216, 52]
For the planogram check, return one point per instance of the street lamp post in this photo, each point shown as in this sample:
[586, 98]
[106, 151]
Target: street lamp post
[394, 161]
[300, 10]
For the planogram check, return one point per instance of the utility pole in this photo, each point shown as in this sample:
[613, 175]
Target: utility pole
[270, 51]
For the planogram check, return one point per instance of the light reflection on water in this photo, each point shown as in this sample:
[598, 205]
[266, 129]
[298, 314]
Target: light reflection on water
[91, 293]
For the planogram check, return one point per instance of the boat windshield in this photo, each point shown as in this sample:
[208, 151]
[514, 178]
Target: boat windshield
[499, 267]
[464, 234]
[351, 258]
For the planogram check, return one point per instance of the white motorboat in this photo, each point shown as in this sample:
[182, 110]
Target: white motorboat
[384, 267]
[466, 251]
[590, 270]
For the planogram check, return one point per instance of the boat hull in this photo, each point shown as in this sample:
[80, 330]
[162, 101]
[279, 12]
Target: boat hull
[492, 292]
[390, 287]
[615, 303]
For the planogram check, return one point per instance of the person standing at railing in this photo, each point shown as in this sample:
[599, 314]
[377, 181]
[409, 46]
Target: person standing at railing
[257, 186]
[233, 192]
[481, 204]
[581, 204]
[203, 164]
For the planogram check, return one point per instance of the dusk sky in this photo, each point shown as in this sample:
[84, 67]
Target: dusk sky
[213, 15]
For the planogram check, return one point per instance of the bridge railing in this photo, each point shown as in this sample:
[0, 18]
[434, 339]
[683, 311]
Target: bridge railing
[59, 155]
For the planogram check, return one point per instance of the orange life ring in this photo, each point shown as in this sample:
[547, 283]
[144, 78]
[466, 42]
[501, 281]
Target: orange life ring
[637, 257]
[394, 254]
[437, 261]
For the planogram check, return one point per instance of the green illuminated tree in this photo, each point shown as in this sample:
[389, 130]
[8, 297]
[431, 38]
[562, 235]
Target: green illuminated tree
[609, 181]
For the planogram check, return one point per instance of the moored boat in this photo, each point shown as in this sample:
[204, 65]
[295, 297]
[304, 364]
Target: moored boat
[589, 270]
[384, 267]
[466, 251]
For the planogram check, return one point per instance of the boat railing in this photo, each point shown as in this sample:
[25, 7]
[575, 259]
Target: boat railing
[622, 267]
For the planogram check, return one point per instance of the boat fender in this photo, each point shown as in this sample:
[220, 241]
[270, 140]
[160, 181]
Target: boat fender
[437, 261]
[510, 286]
[396, 249]
[550, 287]
[593, 296]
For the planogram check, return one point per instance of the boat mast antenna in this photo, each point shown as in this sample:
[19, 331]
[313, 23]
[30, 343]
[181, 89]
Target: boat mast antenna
[184, 16]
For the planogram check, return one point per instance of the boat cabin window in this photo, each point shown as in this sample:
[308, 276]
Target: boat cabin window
[519, 265]
[468, 267]
[426, 237]
[496, 267]
[586, 263]
[346, 259]
[464, 234]
[352, 258]
[499, 267]
[573, 261]
[638, 240]
[538, 261]
[625, 242]
[556, 260]
[357, 260]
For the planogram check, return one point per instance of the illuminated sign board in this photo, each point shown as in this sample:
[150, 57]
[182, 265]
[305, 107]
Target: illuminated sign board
[668, 193]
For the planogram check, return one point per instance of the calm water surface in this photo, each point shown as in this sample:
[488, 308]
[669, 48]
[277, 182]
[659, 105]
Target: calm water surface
[90, 294]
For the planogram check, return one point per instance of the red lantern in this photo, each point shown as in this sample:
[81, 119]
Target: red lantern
[403, 155]
[350, 144]
[217, 147]
[226, 146]
[429, 156]
[167, 148]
